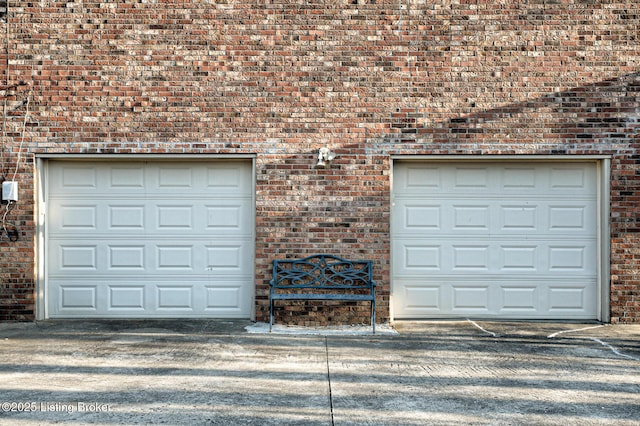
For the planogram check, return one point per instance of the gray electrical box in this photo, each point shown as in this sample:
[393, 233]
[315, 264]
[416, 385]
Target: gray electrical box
[9, 191]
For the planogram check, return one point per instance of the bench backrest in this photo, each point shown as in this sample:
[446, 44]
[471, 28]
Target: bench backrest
[322, 271]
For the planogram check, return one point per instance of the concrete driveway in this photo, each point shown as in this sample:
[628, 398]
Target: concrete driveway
[215, 372]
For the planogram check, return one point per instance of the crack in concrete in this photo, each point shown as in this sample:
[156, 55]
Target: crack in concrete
[326, 346]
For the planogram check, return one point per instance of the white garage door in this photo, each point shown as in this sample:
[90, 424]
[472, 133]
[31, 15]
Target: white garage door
[506, 240]
[149, 239]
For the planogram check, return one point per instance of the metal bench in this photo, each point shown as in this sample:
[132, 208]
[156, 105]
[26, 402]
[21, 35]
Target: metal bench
[323, 277]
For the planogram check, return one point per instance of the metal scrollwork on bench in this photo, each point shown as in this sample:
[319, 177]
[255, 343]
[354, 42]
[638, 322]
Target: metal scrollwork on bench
[322, 277]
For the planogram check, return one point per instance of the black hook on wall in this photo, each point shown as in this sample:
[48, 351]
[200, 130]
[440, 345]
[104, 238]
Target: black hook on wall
[13, 234]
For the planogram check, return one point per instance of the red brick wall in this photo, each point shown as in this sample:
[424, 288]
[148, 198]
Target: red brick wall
[282, 78]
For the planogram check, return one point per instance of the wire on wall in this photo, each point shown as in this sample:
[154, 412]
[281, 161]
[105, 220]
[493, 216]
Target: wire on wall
[23, 130]
[7, 228]
[12, 234]
[7, 87]
[4, 119]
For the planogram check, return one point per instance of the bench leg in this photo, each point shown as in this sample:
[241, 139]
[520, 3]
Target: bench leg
[373, 316]
[270, 314]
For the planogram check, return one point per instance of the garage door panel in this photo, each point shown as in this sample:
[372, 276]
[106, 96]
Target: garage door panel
[519, 257]
[531, 216]
[71, 258]
[493, 238]
[419, 216]
[123, 297]
[469, 177]
[78, 297]
[78, 217]
[468, 217]
[470, 257]
[541, 178]
[126, 217]
[150, 240]
[225, 296]
[512, 256]
[518, 218]
[519, 299]
[419, 298]
[223, 258]
[129, 297]
[127, 177]
[174, 297]
[518, 178]
[226, 217]
[174, 217]
[576, 217]
[565, 258]
[419, 179]
[571, 179]
[174, 256]
[127, 258]
[470, 298]
[174, 177]
[229, 178]
[77, 257]
[418, 257]
[76, 177]
[569, 298]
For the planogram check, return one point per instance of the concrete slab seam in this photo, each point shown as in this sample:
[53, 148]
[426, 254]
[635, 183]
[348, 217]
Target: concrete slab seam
[595, 339]
[613, 349]
[326, 346]
[551, 336]
[475, 324]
